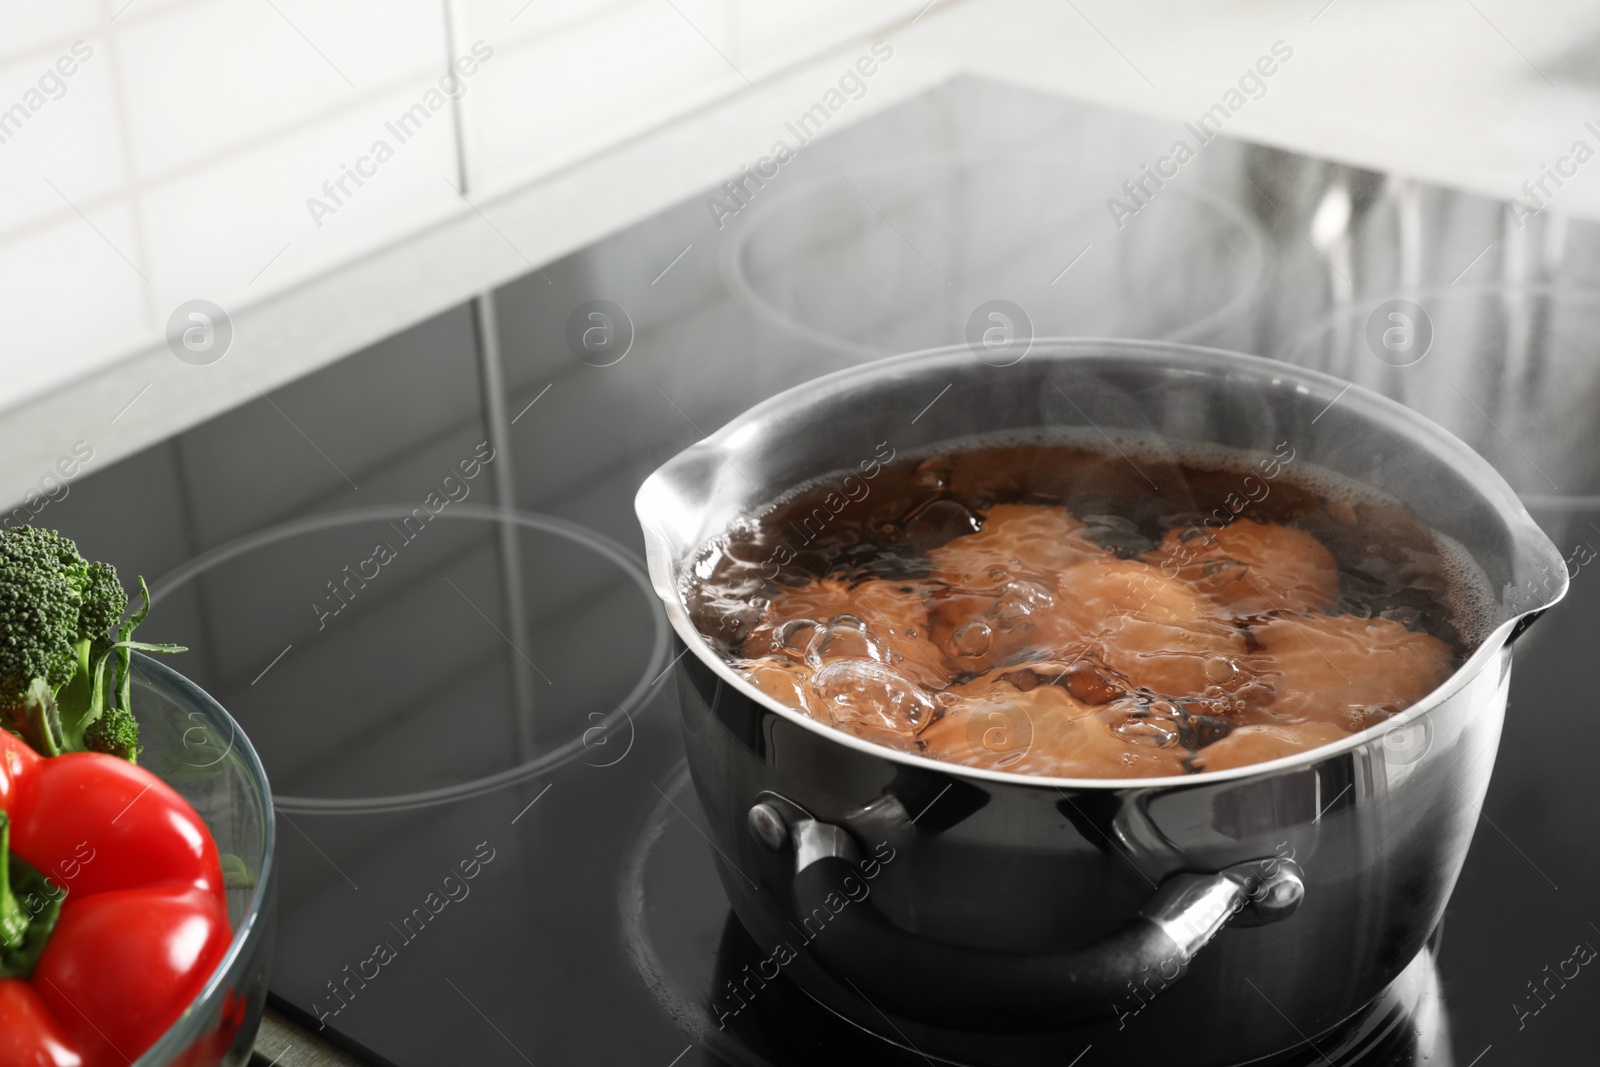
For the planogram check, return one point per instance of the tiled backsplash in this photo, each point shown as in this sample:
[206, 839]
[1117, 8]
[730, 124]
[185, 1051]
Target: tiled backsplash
[229, 149]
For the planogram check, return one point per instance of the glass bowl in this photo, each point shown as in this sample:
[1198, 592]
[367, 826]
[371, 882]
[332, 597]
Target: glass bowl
[194, 746]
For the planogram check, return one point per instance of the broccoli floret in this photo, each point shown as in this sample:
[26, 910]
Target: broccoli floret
[103, 604]
[59, 617]
[115, 733]
[40, 597]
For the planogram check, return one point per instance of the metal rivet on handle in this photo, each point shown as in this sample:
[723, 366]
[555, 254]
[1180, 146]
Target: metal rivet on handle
[1280, 895]
[767, 826]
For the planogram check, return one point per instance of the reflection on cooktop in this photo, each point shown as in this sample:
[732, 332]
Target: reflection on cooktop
[449, 714]
[436, 689]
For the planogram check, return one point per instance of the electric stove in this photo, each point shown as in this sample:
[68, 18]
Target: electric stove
[414, 577]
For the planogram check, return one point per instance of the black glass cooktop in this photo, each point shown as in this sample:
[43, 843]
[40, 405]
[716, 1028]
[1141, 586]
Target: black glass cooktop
[489, 854]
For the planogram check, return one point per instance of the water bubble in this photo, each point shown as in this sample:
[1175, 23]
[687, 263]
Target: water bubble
[844, 637]
[1256, 692]
[1020, 600]
[1221, 670]
[861, 692]
[795, 636]
[1151, 733]
[971, 640]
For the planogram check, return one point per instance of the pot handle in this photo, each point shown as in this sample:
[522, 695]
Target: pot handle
[980, 988]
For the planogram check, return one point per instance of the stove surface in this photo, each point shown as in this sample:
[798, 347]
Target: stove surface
[488, 851]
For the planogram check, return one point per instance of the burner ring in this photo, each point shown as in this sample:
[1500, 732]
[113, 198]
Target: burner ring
[686, 1011]
[608, 549]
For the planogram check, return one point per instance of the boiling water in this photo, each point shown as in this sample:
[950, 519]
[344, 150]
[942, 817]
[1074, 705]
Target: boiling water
[1058, 609]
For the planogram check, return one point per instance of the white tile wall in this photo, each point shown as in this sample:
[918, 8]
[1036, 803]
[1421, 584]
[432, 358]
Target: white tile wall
[214, 231]
[193, 135]
[218, 76]
[67, 296]
[32, 26]
[770, 33]
[71, 140]
[552, 97]
[586, 75]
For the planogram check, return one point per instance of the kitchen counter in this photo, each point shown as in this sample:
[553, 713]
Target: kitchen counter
[281, 1043]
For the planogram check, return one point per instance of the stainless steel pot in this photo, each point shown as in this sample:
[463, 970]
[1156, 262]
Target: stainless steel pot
[988, 917]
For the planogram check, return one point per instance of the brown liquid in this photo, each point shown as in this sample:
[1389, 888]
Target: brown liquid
[1060, 610]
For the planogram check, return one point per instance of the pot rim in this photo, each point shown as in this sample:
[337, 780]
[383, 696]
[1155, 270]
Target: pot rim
[1422, 431]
